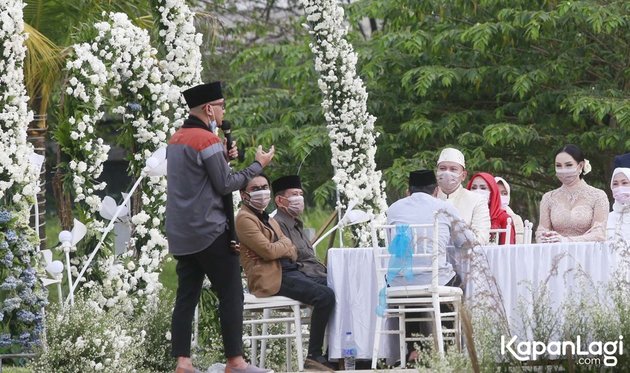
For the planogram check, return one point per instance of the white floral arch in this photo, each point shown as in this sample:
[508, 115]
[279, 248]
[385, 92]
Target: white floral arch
[120, 66]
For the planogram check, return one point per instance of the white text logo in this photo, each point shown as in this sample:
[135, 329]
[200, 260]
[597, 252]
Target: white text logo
[531, 350]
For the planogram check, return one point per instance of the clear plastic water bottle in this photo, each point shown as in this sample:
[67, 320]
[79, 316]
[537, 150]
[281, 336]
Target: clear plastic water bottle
[349, 352]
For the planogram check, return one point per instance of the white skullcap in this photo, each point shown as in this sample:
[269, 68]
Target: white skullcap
[620, 170]
[499, 179]
[452, 155]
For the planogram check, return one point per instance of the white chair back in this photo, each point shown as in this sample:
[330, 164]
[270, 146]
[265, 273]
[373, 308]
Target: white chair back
[495, 234]
[415, 251]
[419, 258]
[528, 230]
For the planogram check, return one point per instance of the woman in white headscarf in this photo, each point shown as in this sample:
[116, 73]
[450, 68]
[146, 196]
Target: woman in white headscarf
[619, 218]
[504, 190]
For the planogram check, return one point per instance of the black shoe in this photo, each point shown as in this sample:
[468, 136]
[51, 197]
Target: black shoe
[318, 363]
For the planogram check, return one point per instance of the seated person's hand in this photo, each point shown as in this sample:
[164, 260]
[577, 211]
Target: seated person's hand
[251, 254]
[553, 237]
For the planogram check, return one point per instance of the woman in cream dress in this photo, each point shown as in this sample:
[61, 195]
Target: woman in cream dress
[576, 211]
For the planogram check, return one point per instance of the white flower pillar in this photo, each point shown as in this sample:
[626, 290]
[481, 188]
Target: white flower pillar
[21, 294]
[118, 67]
[351, 127]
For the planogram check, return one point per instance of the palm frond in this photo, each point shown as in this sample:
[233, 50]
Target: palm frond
[42, 66]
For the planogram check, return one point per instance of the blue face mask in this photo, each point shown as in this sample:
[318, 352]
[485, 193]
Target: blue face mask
[213, 125]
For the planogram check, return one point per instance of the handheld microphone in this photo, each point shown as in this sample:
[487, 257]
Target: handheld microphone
[226, 127]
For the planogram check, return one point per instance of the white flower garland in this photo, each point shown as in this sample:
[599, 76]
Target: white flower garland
[21, 317]
[14, 113]
[121, 61]
[182, 63]
[351, 127]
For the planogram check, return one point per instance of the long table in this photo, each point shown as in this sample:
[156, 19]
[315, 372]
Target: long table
[517, 276]
[507, 273]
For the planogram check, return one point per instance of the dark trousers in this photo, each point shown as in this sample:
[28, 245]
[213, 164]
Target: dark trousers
[221, 265]
[314, 292]
[425, 328]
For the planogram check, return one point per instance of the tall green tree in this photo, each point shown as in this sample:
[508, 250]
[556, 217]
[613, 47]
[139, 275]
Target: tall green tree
[508, 82]
[263, 56]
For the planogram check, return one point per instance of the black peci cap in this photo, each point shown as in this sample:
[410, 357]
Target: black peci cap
[203, 93]
[421, 178]
[286, 182]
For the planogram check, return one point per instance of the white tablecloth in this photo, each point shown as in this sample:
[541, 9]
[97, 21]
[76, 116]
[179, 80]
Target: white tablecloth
[511, 274]
[513, 271]
[351, 274]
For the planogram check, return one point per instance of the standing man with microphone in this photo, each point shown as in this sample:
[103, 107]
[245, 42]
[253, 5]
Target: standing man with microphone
[197, 227]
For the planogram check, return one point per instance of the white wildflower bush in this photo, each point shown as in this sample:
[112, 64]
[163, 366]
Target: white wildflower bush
[598, 312]
[22, 296]
[350, 126]
[88, 337]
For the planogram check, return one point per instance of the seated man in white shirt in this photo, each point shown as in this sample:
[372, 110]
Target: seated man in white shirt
[419, 207]
[472, 207]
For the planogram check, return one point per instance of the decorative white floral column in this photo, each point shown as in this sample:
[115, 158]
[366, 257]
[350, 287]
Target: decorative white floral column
[21, 318]
[118, 67]
[351, 127]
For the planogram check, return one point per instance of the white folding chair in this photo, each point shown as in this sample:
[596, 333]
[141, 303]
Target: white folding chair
[495, 234]
[274, 310]
[424, 297]
[528, 230]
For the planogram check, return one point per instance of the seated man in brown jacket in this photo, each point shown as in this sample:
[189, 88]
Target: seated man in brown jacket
[268, 258]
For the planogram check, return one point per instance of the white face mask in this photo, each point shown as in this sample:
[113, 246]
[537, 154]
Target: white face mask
[505, 201]
[259, 199]
[296, 205]
[621, 194]
[448, 181]
[213, 125]
[485, 193]
[567, 175]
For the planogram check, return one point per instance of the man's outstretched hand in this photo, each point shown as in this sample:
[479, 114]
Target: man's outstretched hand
[263, 157]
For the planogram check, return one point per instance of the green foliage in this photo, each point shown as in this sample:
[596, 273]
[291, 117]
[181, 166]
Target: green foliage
[271, 91]
[507, 82]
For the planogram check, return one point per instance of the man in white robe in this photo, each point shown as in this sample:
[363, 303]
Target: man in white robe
[472, 207]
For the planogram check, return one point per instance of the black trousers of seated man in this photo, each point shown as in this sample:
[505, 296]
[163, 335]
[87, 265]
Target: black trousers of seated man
[314, 292]
[221, 264]
[427, 327]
